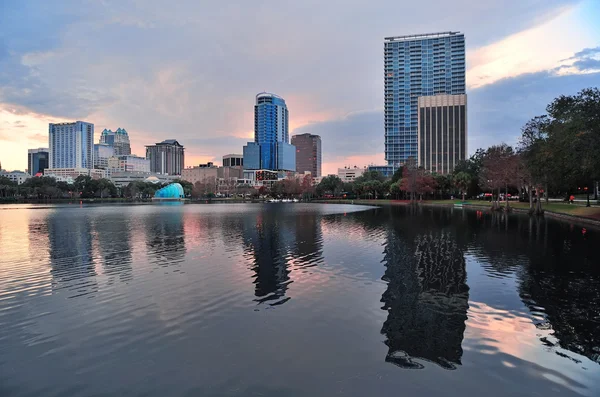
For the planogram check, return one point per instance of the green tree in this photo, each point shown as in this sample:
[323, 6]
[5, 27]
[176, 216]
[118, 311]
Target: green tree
[331, 184]
[397, 175]
[462, 180]
[395, 189]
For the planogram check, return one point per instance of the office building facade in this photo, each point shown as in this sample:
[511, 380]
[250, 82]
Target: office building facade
[417, 66]
[37, 160]
[442, 132]
[166, 157]
[129, 163]
[118, 139]
[71, 145]
[102, 152]
[271, 149]
[308, 153]
[350, 174]
[233, 160]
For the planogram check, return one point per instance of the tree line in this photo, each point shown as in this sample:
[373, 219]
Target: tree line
[83, 187]
[558, 154]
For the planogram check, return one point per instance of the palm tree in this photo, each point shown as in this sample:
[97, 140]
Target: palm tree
[462, 180]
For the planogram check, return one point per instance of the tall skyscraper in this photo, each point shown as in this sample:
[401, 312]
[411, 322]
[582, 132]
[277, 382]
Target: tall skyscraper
[71, 145]
[308, 153]
[271, 149]
[37, 160]
[417, 66]
[166, 157]
[118, 139]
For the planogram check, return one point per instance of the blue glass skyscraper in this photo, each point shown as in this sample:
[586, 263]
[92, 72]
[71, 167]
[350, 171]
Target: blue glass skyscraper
[271, 149]
[417, 66]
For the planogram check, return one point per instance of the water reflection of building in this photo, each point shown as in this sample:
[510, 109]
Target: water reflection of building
[426, 298]
[114, 241]
[71, 258]
[264, 242]
[278, 241]
[165, 235]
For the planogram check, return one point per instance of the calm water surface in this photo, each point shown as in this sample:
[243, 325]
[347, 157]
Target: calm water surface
[295, 300]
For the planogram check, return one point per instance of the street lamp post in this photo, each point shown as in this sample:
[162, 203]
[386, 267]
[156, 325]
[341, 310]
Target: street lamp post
[588, 195]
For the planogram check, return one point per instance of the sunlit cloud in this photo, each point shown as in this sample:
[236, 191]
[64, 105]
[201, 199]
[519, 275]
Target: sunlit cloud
[539, 48]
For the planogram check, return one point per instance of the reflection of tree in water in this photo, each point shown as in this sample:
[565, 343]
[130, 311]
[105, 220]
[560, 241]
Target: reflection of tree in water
[115, 246]
[427, 296]
[165, 236]
[70, 236]
[563, 281]
[556, 264]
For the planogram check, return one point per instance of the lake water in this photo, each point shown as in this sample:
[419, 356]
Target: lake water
[295, 300]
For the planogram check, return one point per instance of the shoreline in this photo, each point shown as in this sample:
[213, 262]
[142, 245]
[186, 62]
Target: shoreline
[575, 219]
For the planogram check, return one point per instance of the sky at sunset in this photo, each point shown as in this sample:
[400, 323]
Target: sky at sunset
[190, 70]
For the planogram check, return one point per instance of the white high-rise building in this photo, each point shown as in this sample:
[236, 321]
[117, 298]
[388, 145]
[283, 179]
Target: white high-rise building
[71, 145]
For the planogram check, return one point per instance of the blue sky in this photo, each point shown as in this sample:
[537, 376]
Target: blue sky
[191, 71]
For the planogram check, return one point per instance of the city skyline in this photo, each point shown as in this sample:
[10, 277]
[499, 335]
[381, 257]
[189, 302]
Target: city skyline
[520, 55]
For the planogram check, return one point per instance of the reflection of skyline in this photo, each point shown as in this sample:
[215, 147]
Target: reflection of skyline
[426, 298]
[165, 238]
[273, 239]
[71, 258]
[114, 241]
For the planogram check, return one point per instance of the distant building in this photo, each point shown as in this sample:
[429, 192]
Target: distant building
[258, 178]
[118, 139]
[233, 160]
[271, 149]
[102, 152]
[17, 177]
[308, 153]
[442, 132]
[200, 173]
[252, 156]
[122, 179]
[386, 170]
[72, 173]
[350, 174]
[417, 66]
[166, 157]
[129, 163]
[71, 145]
[37, 160]
[230, 172]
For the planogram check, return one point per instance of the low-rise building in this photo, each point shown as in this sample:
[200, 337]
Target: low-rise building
[122, 179]
[386, 170]
[261, 177]
[230, 172]
[200, 173]
[66, 173]
[347, 174]
[17, 177]
[233, 160]
[128, 163]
